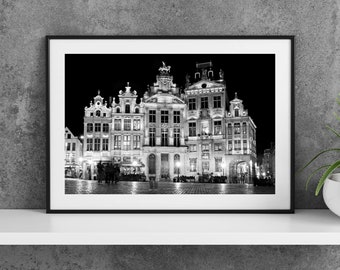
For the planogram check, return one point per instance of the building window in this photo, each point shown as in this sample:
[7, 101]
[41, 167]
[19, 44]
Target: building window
[177, 161]
[192, 104]
[136, 124]
[73, 146]
[244, 129]
[193, 164]
[104, 114]
[136, 142]
[89, 144]
[177, 141]
[237, 129]
[164, 138]
[106, 128]
[126, 142]
[127, 124]
[244, 144]
[230, 145]
[205, 167]
[152, 116]
[205, 128]
[217, 101]
[117, 142]
[230, 129]
[89, 127]
[91, 114]
[97, 127]
[205, 156]
[218, 127]
[237, 145]
[96, 144]
[127, 108]
[192, 129]
[105, 145]
[218, 147]
[152, 136]
[98, 113]
[204, 103]
[118, 110]
[118, 124]
[68, 147]
[237, 113]
[218, 164]
[68, 136]
[192, 148]
[137, 110]
[177, 117]
[164, 116]
[205, 147]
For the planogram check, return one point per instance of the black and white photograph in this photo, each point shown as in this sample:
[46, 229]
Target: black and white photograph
[170, 123]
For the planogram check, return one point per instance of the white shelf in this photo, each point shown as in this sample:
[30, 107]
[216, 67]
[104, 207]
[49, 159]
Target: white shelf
[34, 227]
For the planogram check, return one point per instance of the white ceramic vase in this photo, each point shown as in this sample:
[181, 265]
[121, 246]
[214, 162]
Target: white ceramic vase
[331, 193]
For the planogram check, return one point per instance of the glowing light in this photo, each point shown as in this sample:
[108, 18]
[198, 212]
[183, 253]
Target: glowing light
[134, 163]
[178, 164]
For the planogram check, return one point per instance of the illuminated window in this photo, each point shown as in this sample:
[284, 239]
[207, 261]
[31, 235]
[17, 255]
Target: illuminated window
[218, 147]
[192, 148]
[217, 127]
[117, 141]
[136, 142]
[118, 124]
[205, 147]
[136, 124]
[176, 167]
[164, 138]
[193, 164]
[237, 129]
[126, 142]
[218, 164]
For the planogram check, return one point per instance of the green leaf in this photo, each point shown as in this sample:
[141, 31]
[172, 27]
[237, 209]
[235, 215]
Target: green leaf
[313, 173]
[315, 157]
[333, 130]
[323, 178]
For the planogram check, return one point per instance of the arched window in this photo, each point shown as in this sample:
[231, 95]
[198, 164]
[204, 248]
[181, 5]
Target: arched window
[98, 113]
[118, 110]
[127, 108]
[237, 112]
[137, 110]
[152, 164]
[177, 162]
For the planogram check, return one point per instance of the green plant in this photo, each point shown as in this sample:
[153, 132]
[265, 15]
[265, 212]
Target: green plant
[326, 169]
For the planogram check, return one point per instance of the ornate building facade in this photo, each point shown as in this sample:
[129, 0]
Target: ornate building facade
[73, 155]
[169, 132]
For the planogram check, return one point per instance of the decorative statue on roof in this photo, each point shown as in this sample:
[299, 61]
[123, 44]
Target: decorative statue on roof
[164, 69]
[221, 74]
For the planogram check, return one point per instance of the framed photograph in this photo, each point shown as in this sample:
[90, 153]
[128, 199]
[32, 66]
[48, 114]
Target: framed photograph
[192, 124]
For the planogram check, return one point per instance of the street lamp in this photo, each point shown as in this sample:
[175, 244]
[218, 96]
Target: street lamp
[178, 165]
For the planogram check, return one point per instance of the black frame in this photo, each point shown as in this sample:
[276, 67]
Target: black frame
[185, 211]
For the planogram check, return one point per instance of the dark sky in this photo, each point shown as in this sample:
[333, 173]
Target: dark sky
[252, 76]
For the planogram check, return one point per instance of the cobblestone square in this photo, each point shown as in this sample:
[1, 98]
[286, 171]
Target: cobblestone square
[78, 186]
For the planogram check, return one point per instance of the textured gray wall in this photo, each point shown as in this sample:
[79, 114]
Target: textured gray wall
[24, 24]
[169, 257]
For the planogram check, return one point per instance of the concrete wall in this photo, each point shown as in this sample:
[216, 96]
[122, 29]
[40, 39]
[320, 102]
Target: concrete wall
[23, 26]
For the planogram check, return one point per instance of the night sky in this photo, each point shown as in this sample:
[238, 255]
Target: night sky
[252, 76]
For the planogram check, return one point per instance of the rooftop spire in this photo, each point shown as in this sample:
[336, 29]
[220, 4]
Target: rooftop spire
[98, 92]
[235, 95]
